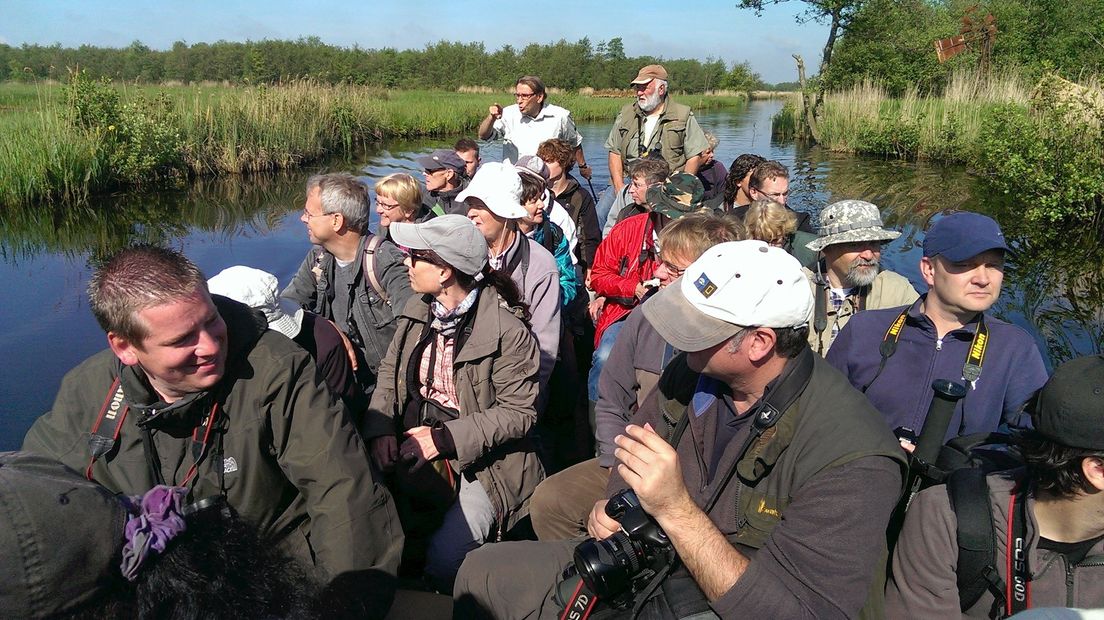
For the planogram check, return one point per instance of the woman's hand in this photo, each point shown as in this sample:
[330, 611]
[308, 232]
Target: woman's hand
[419, 446]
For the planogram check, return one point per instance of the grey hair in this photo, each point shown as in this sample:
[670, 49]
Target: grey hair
[343, 193]
[711, 140]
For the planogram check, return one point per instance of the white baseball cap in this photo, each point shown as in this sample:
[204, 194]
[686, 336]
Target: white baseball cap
[499, 187]
[256, 289]
[731, 286]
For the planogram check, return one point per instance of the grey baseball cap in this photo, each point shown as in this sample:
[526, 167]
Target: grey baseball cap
[61, 537]
[848, 221]
[442, 159]
[453, 237]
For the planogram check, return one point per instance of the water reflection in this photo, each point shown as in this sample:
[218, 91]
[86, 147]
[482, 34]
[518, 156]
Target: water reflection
[1053, 287]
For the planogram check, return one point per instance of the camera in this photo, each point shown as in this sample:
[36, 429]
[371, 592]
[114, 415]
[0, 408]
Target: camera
[616, 568]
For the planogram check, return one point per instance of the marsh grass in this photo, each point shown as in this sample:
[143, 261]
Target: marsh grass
[229, 130]
[864, 119]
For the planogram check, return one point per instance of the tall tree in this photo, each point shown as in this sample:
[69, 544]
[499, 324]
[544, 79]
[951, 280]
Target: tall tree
[836, 13]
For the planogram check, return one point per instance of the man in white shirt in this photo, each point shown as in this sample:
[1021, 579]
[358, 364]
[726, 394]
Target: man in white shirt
[532, 120]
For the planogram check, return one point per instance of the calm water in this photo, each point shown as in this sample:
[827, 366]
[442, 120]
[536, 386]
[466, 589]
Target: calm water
[44, 253]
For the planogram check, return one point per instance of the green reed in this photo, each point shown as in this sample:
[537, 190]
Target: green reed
[146, 133]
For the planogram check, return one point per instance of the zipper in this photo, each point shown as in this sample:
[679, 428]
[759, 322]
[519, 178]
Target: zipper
[1096, 560]
[938, 344]
[1069, 581]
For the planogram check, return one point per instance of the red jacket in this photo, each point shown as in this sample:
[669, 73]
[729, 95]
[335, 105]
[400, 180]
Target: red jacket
[624, 259]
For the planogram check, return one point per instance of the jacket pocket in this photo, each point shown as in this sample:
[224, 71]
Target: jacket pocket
[673, 139]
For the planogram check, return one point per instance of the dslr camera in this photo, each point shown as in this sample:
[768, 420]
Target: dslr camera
[616, 568]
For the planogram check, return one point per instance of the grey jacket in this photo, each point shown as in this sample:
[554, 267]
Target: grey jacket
[292, 462]
[496, 383]
[539, 284]
[374, 318]
[923, 581]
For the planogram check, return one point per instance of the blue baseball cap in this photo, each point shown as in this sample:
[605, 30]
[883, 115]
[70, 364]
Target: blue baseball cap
[963, 235]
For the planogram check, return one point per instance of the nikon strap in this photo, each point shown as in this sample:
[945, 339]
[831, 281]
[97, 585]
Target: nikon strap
[112, 410]
[975, 356]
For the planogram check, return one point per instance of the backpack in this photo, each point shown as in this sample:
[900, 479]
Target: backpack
[370, 249]
[967, 461]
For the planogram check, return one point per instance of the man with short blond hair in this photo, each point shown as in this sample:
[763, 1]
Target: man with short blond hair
[195, 391]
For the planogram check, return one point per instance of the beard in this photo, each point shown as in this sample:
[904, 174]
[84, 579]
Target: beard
[862, 272]
[651, 101]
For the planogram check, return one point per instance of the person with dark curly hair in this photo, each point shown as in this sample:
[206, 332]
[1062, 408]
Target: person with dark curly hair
[1047, 518]
[73, 549]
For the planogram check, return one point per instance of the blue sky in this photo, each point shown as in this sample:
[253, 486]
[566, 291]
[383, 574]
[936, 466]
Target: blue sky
[709, 28]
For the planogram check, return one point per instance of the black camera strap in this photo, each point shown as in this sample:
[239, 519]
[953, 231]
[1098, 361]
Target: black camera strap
[1018, 593]
[769, 411]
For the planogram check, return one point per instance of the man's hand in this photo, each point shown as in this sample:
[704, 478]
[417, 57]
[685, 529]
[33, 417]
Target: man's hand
[640, 291]
[594, 308]
[419, 446]
[585, 172]
[350, 350]
[650, 466]
[384, 450]
[495, 111]
[599, 524]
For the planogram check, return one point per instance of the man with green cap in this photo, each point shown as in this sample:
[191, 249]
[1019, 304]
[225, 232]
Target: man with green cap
[625, 264]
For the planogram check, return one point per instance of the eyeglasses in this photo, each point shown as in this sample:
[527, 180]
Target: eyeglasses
[415, 255]
[385, 206]
[309, 215]
[674, 271]
[525, 96]
[775, 195]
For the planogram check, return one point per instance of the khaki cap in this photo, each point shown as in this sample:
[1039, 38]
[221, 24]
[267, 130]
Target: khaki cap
[649, 73]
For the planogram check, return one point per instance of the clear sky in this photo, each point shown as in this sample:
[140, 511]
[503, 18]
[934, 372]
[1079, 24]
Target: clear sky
[670, 29]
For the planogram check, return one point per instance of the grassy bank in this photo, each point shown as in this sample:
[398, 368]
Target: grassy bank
[1039, 146]
[68, 142]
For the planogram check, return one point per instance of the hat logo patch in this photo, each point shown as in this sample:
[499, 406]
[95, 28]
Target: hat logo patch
[705, 286]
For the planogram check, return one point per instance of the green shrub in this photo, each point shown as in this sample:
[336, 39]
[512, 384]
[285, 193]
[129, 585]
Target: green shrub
[1049, 162]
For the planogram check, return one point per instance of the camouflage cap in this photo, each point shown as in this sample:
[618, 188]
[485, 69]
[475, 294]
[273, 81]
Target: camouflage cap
[680, 194]
[848, 221]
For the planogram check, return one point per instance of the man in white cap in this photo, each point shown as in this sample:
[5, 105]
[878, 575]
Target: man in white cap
[654, 124]
[494, 204]
[772, 477]
[319, 337]
[848, 276]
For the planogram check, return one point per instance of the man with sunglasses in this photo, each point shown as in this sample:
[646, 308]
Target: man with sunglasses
[848, 277]
[350, 276]
[532, 120]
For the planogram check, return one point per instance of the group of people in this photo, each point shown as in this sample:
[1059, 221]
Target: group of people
[409, 411]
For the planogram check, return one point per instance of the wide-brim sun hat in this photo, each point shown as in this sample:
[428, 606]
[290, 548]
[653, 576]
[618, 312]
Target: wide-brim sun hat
[257, 289]
[498, 185]
[850, 221]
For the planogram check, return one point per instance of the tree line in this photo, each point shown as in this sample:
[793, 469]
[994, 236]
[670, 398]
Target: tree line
[892, 41]
[446, 64]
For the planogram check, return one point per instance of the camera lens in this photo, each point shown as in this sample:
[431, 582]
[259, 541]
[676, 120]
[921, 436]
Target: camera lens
[608, 566]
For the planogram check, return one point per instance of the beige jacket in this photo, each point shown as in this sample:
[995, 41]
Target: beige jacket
[889, 290]
[496, 383]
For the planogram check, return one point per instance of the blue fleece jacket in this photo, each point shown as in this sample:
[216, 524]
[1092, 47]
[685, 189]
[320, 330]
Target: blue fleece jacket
[1012, 369]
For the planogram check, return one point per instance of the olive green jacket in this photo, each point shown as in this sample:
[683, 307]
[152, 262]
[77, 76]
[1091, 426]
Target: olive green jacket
[496, 383]
[292, 462]
[677, 135]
